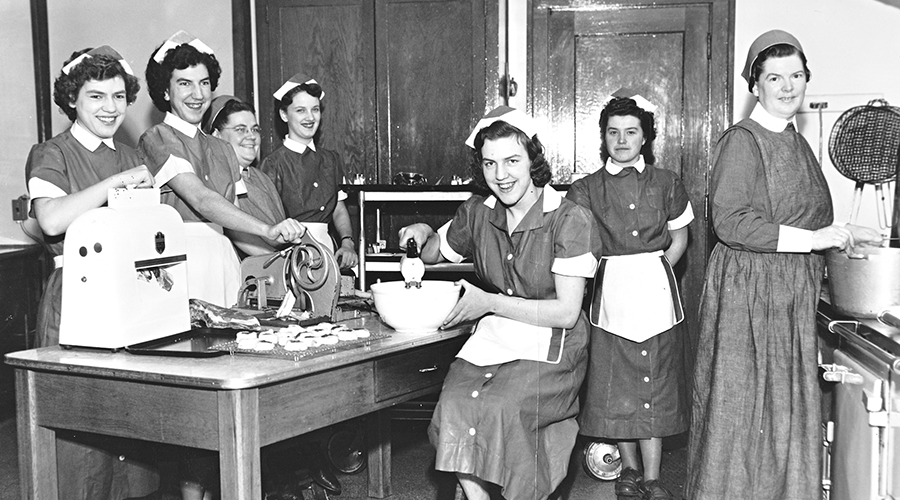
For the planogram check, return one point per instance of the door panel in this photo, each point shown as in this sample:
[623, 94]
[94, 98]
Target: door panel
[430, 87]
[331, 41]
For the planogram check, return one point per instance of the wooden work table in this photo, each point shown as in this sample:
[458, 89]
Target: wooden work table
[233, 404]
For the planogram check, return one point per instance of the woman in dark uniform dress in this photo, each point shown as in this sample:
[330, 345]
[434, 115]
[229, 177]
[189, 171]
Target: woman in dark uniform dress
[756, 425]
[506, 415]
[308, 176]
[199, 175]
[636, 388]
[234, 121]
[67, 176]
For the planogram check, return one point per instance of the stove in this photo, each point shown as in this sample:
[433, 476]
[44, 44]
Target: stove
[861, 361]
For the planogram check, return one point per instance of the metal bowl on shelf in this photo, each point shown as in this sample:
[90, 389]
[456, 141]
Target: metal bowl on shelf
[415, 310]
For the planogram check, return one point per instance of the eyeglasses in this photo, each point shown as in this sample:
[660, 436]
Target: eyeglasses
[242, 130]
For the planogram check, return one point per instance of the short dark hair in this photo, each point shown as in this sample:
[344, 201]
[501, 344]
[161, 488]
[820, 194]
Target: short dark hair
[777, 50]
[181, 57]
[231, 107]
[99, 68]
[540, 168]
[626, 106]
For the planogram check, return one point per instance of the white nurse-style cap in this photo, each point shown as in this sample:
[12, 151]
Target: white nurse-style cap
[103, 50]
[763, 42]
[506, 114]
[295, 81]
[638, 99]
[181, 38]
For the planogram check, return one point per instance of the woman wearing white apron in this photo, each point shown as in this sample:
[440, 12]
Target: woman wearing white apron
[636, 389]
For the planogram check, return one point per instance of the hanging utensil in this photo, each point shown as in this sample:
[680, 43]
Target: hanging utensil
[863, 147]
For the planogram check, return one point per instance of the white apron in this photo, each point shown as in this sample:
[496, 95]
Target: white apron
[636, 296]
[500, 340]
[319, 231]
[213, 269]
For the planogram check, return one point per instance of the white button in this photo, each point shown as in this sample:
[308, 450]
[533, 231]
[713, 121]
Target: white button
[472, 431]
[474, 394]
[631, 206]
[488, 375]
[315, 184]
[321, 209]
[647, 405]
[646, 379]
[206, 177]
[643, 353]
[509, 291]
[634, 233]
[121, 458]
[509, 257]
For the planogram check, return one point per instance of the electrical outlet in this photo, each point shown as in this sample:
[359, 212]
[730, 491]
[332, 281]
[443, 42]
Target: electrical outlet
[20, 208]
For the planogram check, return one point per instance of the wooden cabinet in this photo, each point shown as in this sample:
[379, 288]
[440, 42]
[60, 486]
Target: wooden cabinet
[404, 80]
[21, 284]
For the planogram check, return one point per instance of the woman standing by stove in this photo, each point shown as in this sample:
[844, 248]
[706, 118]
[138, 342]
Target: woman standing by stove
[756, 430]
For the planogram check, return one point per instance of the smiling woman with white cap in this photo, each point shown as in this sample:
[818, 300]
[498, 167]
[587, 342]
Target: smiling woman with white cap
[199, 175]
[308, 176]
[67, 176]
[505, 420]
[756, 429]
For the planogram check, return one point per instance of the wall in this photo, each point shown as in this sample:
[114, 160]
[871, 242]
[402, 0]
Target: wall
[132, 28]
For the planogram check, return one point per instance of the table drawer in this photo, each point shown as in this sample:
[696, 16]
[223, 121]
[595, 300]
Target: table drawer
[416, 369]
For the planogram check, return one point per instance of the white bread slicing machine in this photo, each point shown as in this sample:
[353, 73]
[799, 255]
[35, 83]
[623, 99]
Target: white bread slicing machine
[124, 273]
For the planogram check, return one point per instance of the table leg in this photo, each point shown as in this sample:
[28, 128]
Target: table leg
[37, 445]
[239, 465]
[378, 437]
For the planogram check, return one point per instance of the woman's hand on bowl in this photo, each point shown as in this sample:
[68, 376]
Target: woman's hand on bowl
[473, 304]
[420, 232]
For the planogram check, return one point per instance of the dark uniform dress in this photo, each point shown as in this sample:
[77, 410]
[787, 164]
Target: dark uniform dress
[175, 147]
[512, 423]
[261, 200]
[70, 162]
[308, 180]
[756, 430]
[635, 390]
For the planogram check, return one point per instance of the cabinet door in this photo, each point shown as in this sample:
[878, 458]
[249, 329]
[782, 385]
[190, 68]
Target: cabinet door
[404, 80]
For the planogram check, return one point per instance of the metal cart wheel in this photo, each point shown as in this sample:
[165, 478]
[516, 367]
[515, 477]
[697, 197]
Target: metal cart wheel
[346, 450]
[602, 461]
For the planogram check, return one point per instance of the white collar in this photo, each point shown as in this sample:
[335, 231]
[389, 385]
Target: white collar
[87, 138]
[180, 125]
[297, 146]
[614, 169]
[552, 199]
[769, 122]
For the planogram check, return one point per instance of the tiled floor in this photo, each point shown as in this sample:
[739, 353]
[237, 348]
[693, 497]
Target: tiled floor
[414, 477]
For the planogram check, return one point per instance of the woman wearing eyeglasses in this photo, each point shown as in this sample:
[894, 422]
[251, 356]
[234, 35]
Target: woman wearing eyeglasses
[234, 121]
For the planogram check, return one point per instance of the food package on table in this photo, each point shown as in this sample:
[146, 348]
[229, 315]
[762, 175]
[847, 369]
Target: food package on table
[206, 315]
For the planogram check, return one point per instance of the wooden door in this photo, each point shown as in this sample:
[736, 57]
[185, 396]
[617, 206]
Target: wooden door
[405, 80]
[675, 54]
[331, 41]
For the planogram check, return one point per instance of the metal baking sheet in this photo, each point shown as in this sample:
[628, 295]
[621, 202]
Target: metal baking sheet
[278, 351]
[194, 343]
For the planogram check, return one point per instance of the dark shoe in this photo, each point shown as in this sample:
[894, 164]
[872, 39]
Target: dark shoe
[655, 491]
[629, 484]
[326, 479]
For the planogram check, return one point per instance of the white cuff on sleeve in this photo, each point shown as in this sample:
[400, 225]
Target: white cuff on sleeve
[172, 167]
[582, 266]
[39, 188]
[682, 220]
[446, 251]
[794, 240]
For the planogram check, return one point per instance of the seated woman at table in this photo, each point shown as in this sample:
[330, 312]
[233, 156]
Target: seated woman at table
[506, 415]
[67, 176]
[199, 175]
[234, 121]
